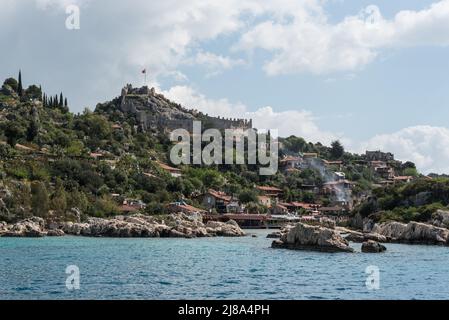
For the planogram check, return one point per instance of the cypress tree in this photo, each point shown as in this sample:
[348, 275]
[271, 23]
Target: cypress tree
[65, 102]
[61, 100]
[20, 87]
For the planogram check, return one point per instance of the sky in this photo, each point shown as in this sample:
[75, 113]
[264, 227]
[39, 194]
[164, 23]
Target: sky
[373, 74]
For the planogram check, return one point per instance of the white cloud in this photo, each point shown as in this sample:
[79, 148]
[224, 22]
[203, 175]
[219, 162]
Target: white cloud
[215, 63]
[292, 122]
[310, 43]
[190, 98]
[427, 146]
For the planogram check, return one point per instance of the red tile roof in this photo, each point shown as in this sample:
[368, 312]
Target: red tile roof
[219, 195]
[265, 188]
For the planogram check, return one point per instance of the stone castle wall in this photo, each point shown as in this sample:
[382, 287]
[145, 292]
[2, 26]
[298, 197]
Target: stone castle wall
[147, 120]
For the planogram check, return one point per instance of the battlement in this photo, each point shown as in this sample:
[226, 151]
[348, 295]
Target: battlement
[153, 110]
[144, 91]
[229, 123]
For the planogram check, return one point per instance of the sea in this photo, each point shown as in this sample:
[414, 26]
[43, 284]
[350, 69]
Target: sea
[214, 268]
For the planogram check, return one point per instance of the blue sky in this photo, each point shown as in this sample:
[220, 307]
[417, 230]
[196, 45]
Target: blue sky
[370, 73]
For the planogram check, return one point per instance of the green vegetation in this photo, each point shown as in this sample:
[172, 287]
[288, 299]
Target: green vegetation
[415, 201]
[52, 161]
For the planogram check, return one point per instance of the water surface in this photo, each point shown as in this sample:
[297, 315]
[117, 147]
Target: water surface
[214, 268]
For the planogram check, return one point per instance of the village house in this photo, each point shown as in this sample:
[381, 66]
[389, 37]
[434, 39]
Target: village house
[339, 176]
[404, 179]
[377, 164]
[335, 186]
[290, 162]
[279, 209]
[217, 200]
[310, 155]
[174, 172]
[131, 206]
[264, 201]
[270, 192]
[181, 206]
[332, 211]
[234, 207]
[295, 207]
[385, 172]
[333, 164]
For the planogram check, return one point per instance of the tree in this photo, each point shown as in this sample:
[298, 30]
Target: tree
[412, 172]
[33, 92]
[61, 100]
[33, 130]
[39, 199]
[295, 144]
[59, 198]
[13, 132]
[12, 83]
[248, 196]
[20, 86]
[337, 150]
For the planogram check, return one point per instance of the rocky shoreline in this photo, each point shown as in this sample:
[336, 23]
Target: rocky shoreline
[326, 238]
[135, 226]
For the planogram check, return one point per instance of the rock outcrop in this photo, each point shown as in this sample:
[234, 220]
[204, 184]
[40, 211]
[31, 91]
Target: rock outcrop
[32, 227]
[371, 246]
[308, 237]
[136, 226]
[359, 237]
[274, 235]
[441, 219]
[413, 233]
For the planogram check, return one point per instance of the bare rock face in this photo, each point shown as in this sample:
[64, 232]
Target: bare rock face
[55, 233]
[359, 237]
[441, 219]
[32, 227]
[413, 233]
[140, 226]
[371, 246]
[315, 238]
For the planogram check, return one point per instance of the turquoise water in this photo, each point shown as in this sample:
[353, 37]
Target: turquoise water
[214, 268]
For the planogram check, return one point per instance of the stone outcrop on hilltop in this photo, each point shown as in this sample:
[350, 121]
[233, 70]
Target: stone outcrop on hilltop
[315, 238]
[136, 226]
[154, 111]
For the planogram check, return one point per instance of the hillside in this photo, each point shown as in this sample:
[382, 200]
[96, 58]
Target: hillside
[60, 165]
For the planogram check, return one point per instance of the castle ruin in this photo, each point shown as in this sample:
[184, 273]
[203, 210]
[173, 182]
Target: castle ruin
[154, 111]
